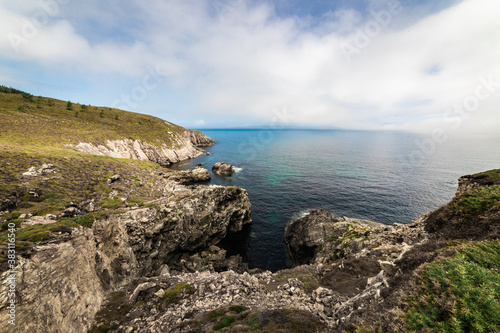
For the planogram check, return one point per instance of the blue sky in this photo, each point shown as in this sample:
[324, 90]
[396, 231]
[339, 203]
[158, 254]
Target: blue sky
[420, 66]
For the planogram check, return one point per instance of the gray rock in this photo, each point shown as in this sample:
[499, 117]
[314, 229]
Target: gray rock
[199, 174]
[303, 236]
[223, 169]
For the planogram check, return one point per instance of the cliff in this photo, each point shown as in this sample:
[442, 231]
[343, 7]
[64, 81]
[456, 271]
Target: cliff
[66, 272]
[185, 146]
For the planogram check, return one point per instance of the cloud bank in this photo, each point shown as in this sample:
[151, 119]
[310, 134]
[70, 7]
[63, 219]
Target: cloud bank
[234, 63]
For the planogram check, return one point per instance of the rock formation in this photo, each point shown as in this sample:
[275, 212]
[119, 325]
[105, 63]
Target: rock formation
[185, 146]
[63, 280]
[198, 174]
[223, 169]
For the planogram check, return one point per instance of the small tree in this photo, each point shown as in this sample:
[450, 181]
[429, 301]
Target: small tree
[27, 96]
[69, 105]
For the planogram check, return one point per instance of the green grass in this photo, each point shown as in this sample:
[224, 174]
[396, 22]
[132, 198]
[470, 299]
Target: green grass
[461, 294]
[477, 202]
[52, 122]
[26, 236]
[493, 174]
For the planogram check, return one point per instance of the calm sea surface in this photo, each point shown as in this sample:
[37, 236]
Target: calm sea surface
[379, 176]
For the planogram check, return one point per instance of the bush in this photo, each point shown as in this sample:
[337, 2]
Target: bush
[27, 96]
[69, 105]
[226, 322]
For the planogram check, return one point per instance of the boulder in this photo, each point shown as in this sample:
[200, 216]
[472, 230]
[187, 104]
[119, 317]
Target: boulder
[223, 169]
[198, 174]
[304, 235]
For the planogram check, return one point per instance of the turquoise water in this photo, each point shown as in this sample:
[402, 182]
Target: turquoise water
[380, 176]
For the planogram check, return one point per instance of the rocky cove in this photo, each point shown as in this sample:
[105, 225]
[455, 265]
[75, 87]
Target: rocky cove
[138, 252]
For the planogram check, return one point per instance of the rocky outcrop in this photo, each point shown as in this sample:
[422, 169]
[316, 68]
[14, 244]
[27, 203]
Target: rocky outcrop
[184, 146]
[198, 302]
[223, 169]
[64, 279]
[471, 182]
[303, 236]
[200, 139]
[57, 289]
[198, 174]
[43, 170]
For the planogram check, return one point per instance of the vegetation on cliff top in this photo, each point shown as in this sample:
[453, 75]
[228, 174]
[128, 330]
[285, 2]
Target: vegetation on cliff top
[28, 120]
[461, 294]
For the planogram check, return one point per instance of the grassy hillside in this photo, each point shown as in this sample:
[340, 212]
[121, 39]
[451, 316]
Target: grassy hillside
[34, 131]
[40, 121]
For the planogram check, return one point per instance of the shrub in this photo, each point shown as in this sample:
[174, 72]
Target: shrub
[238, 309]
[69, 105]
[215, 314]
[226, 322]
[27, 96]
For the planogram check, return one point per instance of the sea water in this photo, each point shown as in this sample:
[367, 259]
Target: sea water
[380, 176]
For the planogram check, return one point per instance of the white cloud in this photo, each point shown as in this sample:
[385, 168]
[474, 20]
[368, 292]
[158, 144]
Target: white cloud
[243, 61]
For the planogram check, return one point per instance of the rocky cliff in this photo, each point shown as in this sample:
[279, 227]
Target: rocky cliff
[359, 276]
[181, 147]
[66, 272]
[107, 245]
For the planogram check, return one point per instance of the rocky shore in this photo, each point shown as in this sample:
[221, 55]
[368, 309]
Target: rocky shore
[155, 266]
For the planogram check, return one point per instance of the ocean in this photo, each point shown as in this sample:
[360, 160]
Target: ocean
[380, 176]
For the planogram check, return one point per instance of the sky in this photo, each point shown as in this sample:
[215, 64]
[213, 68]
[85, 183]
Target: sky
[409, 65]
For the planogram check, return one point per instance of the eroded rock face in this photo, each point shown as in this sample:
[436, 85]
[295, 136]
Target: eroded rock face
[223, 169]
[186, 146]
[303, 236]
[158, 236]
[199, 139]
[57, 289]
[63, 281]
